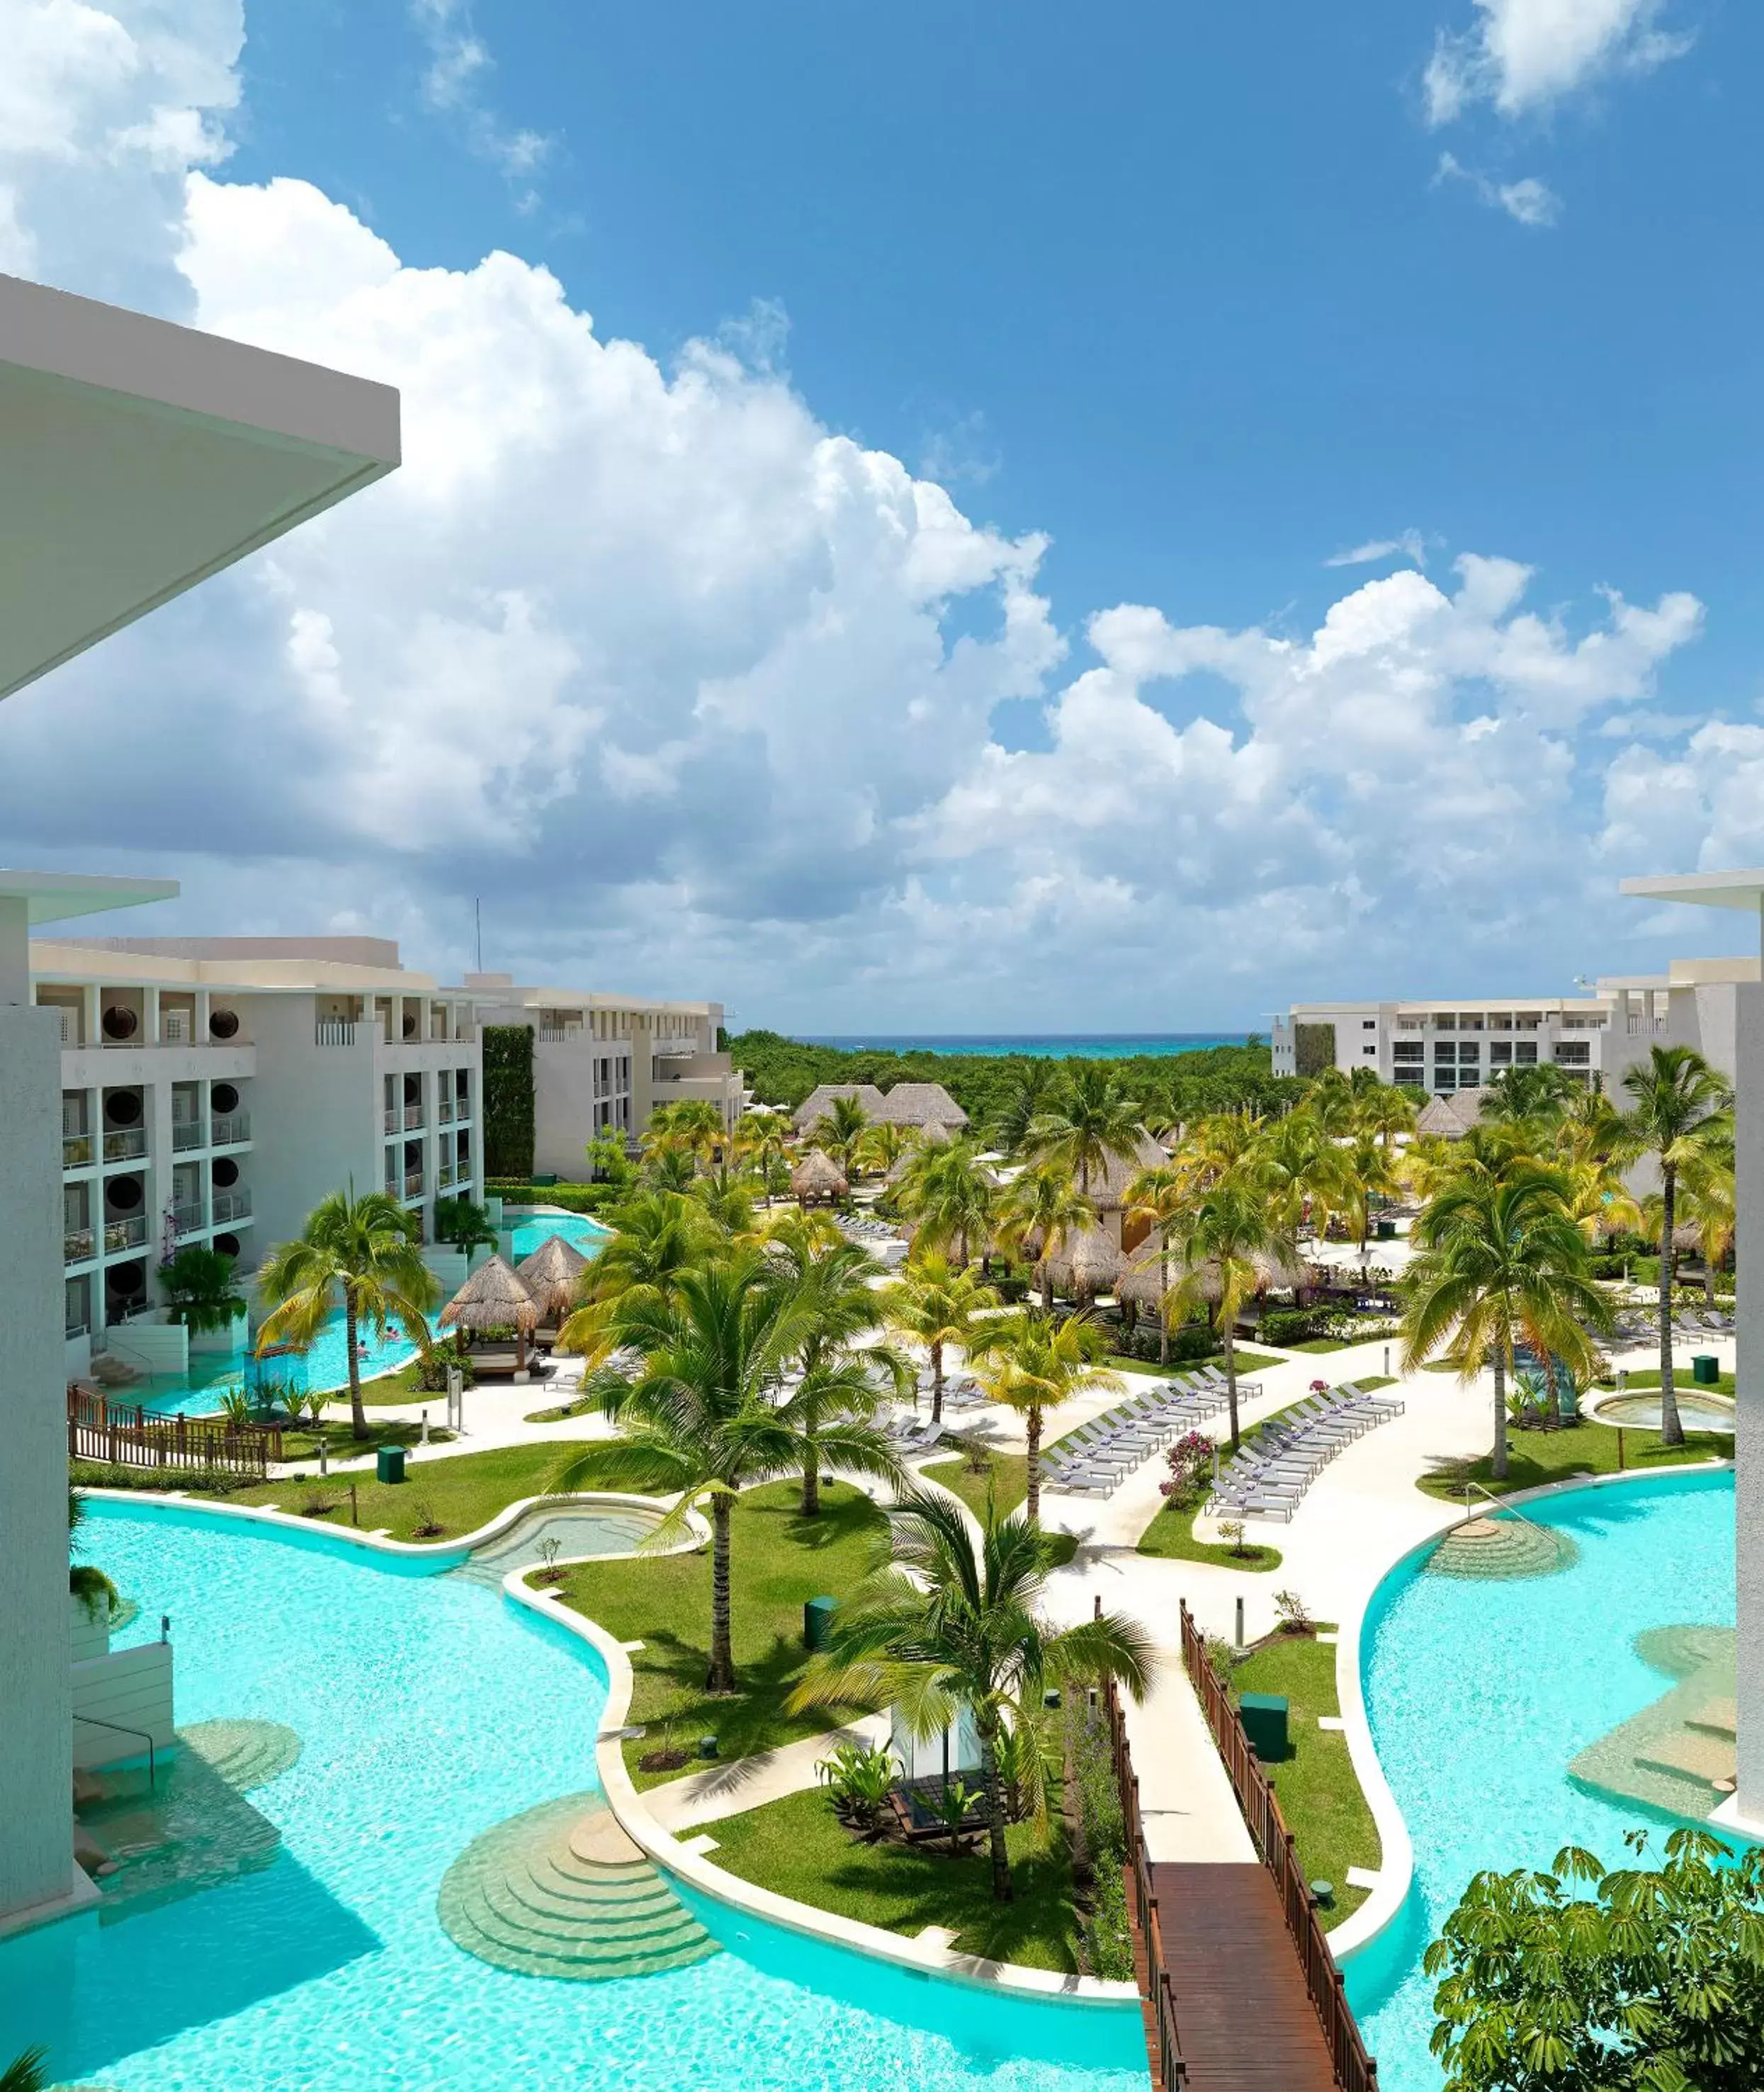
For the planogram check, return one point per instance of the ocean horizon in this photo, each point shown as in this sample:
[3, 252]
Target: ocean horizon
[1041, 1045]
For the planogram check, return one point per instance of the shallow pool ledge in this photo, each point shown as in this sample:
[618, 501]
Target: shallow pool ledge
[1396, 1870]
[923, 1957]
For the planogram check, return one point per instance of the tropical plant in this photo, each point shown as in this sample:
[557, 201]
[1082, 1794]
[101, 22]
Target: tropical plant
[955, 1804]
[935, 1303]
[1041, 1211]
[947, 1194]
[693, 1126]
[464, 1223]
[238, 1408]
[669, 1167]
[1090, 1123]
[1707, 1201]
[93, 1590]
[726, 1194]
[695, 1408]
[198, 1286]
[1027, 1093]
[1502, 1263]
[840, 1130]
[608, 1161]
[1537, 1094]
[883, 1144]
[28, 2071]
[660, 1236]
[1188, 1461]
[859, 1778]
[1642, 1979]
[362, 1252]
[1368, 1168]
[1031, 1363]
[1680, 1106]
[951, 1625]
[1226, 1242]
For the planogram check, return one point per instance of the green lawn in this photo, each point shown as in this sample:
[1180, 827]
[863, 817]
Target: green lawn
[303, 1444]
[1170, 1537]
[1535, 1457]
[798, 1848]
[778, 1560]
[1318, 1793]
[460, 1493]
[1682, 1382]
[1346, 1344]
[583, 1406]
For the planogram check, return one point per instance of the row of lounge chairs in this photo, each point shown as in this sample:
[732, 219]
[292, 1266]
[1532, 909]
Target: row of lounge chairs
[1269, 1479]
[1634, 1327]
[1097, 1458]
[868, 1229]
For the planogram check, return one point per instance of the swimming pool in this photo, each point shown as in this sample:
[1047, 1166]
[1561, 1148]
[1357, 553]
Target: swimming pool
[211, 1375]
[1480, 1692]
[429, 1709]
[1696, 1412]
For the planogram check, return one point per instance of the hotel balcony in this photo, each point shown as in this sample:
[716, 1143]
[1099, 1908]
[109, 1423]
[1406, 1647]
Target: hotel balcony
[334, 1031]
[230, 1207]
[77, 1244]
[189, 1220]
[129, 1233]
[128, 1144]
[186, 1134]
[78, 1151]
[230, 1129]
[413, 1183]
[443, 1111]
[414, 1121]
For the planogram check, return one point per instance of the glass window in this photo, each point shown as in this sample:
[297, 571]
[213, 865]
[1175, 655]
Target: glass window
[1525, 1053]
[1469, 1053]
[1500, 1053]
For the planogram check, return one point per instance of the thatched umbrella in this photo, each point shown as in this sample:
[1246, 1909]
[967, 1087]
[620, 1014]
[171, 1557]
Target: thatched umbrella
[551, 1275]
[493, 1298]
[817, 1176]
[1084, 1263]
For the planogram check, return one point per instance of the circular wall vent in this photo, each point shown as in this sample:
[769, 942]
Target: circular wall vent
[121, 1108]
[224, 1024]
[119, 1022]
[227, 1245]
[224, 1098]
[226, 1172]
[122, 1194]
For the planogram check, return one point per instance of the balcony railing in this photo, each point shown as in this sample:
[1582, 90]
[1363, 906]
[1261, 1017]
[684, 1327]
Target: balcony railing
[189, 1220]
[414, 1121]
[231, 1206]
[186, 1134]
[1644, 1024]
[76, 1150]
[129, 1145]
[444, 1176]
[69, 1330]
[230, 1129]
[129, 1233]
[413, 1183]
[443, 1111]
[555, 1034]
[334, 1031]
[393, 1119]
[77, 1244]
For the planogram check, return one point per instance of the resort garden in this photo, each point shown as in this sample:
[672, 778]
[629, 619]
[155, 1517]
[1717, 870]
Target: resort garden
[844, 1372]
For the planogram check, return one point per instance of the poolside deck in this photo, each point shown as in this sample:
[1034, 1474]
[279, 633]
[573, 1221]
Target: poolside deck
[1246, 2019]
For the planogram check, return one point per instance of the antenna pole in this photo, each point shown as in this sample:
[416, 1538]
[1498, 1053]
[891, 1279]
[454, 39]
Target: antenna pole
[477, 924]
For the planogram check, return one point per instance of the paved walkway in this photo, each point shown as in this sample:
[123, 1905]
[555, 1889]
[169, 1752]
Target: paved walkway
[750, 1782]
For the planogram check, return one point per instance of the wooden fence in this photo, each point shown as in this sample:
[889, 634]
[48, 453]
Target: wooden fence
[128, 1436]
[1354, 2070]
[1162, 2041]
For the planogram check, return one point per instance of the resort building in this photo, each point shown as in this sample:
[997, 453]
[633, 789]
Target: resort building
[923, 1106]
[602, 1064]
[1463, 1044]
[213, 1089]
[138, 458]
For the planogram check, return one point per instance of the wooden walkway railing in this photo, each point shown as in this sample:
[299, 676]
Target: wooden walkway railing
[1354, 2070]
[128, 1436]
[1163, 2044]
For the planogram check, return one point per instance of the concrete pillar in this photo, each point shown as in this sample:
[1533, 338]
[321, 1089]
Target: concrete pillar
[14, 950]
[1749, 1380]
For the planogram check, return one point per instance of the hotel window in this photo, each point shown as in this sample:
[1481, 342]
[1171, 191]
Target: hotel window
[77, 1313]
[1573, 1053]
[1469, 1055]
[1524, 1054]
[1369, 1024]
[1445, 1053]
[1500, 1053]
[1445, 1020]
[1470, 1020]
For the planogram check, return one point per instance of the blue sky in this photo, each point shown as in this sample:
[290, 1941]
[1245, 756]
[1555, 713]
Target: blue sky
[1177, 306]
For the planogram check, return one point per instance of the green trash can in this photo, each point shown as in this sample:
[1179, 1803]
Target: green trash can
[1706, 1370]
[389, 1464]
[1387, 1231]
[1265, 1724]
[817, 1616]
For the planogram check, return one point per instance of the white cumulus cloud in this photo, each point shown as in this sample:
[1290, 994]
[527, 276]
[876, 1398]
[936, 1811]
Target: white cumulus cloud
[1522, 55]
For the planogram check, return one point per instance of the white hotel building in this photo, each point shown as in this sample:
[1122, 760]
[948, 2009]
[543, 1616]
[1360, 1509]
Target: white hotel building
[214, 1089]
[1445, 1046]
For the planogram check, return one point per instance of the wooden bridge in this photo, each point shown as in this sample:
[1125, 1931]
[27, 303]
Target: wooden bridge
[1241, 1992]
[125, 1435]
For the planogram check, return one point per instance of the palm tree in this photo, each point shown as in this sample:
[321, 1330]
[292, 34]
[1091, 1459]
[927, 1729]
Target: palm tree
[1707, 1201]
[660, 1235]
[1302, 1172]
[759, 1142]
[363, 1252]
[1228, 1241]
[1387, 1112]
[94, 1590]
[840, 1130]
[936, 1303]
[1093, 1122]
[696, 1413]
[198, 1286]
[1157, 1196]
[883, 1144]
[951, 1626]
[1502, 1262]
[1043, 1207]
[1680, 1107]
[464, 1224]
[693, 1126]
[840, 1380]
[948, 1194]
[668, 1166]
[1032, 1363]
[1027, 1093]
[1539, 1092]
[727, 1195]
[28, 2071]
[1366, 1164]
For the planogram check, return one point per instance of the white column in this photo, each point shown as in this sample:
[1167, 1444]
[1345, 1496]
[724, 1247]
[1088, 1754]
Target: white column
[1748, 1378]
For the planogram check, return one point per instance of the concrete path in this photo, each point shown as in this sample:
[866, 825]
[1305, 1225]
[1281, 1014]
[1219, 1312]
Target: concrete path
[750, 1782]
[1186, 1801]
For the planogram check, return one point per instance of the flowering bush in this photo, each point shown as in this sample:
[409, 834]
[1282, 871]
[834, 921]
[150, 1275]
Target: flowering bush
[1189, 1459]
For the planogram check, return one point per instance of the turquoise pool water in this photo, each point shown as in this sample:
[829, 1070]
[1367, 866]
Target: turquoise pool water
[429, 1709]
[199, 1392]
[1480, 1693]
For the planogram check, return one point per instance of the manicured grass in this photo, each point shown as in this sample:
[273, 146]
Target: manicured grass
[1346, 1344]
[462, 1493]
[1316, 1786]
[1170, 1537]
[778, 1561]
[1682, 1383]
[798, 1848]
[583, 1406]
[303, 1444]
[1536, 1457]
[1007, 1474]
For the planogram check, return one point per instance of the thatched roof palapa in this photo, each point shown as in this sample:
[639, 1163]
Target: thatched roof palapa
[551, 1275]
[1085, 1264]
[493, 1298]
[817, 1176]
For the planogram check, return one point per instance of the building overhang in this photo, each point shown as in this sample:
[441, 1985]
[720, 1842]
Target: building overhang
[140, 457]
[55, 896]
[1704, 889]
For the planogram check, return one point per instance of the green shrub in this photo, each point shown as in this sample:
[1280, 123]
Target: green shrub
[509, 1100]
[596, 1201]
[1287, 1326]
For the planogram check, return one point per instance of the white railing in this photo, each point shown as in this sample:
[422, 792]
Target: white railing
[186, 1133]
[129, 1234]
[231, 1206]
[129, 1145]
[334, 1031]
[1645, 1024]
[443, 1111]
[77, 1244]
[230, 1129]
[392, 1119]
[76, 1150]
[188, 1220]
[413, 1118]
[413, 1183]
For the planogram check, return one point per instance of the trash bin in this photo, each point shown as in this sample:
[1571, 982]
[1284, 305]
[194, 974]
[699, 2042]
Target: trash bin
[1706, 1370]
[1265, 1724]
[817, 1615]
[1387, 1231]
[389, 1464]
